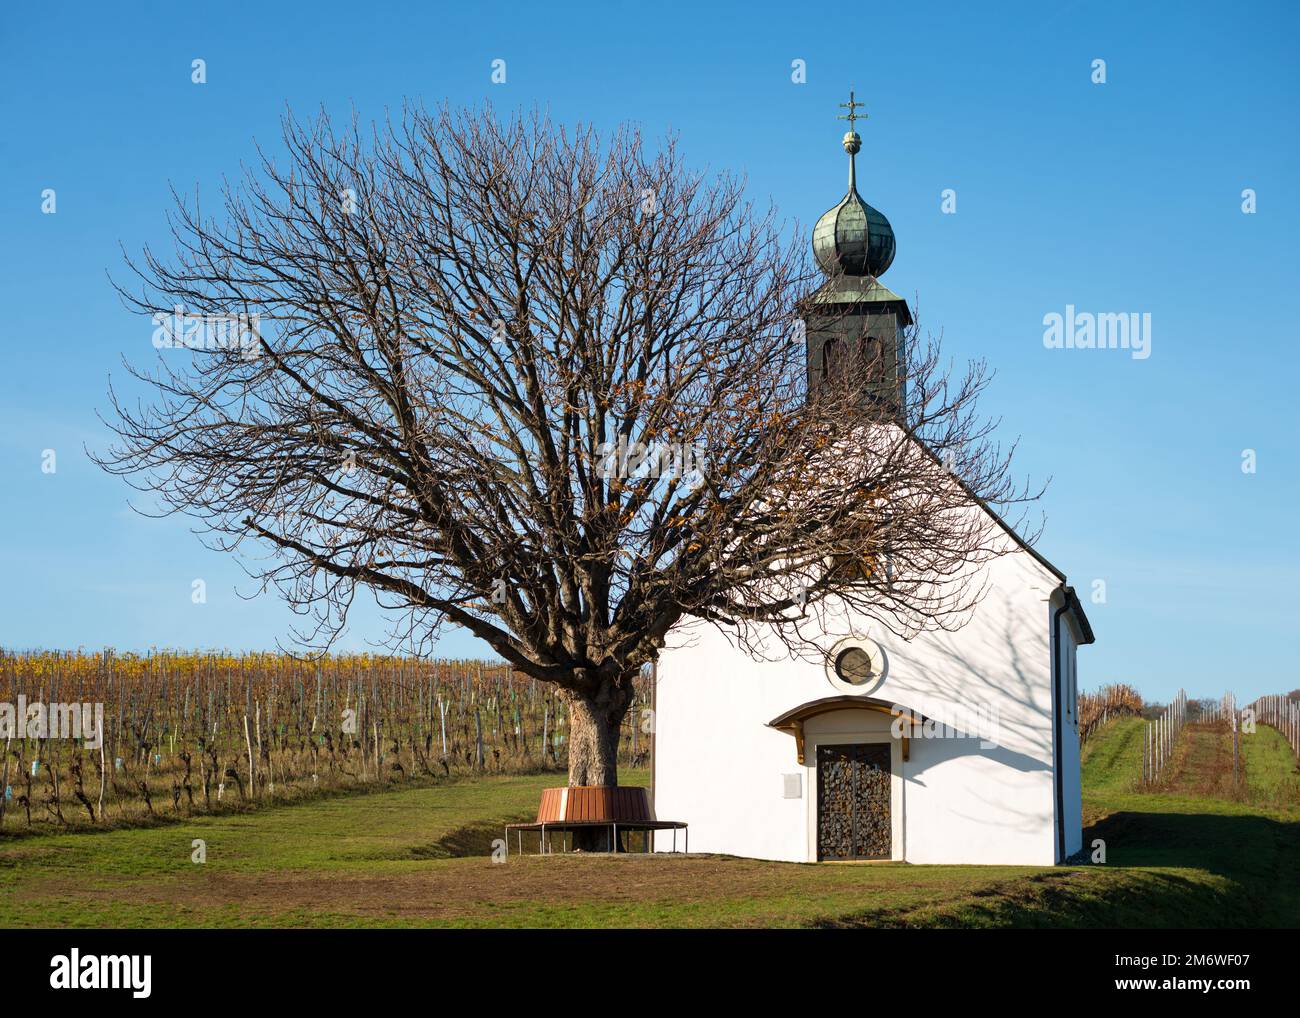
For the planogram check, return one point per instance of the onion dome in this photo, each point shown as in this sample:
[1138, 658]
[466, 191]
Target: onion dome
[853, 238]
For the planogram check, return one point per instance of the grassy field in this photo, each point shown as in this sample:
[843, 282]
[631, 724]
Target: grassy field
[1196, 853]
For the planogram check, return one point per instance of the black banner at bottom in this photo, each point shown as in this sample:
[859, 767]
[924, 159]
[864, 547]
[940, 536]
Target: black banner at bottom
[166, 967]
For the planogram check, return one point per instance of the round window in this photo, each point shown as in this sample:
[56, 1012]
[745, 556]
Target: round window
[856, 665]
[853, 665]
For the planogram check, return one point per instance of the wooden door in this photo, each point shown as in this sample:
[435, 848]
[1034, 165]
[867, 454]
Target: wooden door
[853, 801]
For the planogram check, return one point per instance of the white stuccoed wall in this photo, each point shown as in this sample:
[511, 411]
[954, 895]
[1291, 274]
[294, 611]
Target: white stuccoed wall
[719, 767]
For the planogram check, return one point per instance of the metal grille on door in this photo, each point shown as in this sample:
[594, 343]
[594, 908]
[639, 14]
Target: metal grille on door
[853, 819]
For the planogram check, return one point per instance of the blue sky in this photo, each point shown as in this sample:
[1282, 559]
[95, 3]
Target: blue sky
[1115, 197]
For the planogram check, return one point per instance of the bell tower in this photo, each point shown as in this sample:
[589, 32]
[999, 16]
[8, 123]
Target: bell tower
[856, 326]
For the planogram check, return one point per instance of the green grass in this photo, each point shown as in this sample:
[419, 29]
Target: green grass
[422, 857]
[1271, 772]
[1112, 759]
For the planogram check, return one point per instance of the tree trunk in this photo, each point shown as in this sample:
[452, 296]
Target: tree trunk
[595, 723]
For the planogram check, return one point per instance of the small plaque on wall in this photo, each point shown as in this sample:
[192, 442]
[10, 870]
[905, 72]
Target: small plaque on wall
[793, 786]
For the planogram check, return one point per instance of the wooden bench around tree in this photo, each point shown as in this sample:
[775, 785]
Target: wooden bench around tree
[614, 808]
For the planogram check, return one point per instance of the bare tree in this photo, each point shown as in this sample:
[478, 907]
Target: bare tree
[547, 387]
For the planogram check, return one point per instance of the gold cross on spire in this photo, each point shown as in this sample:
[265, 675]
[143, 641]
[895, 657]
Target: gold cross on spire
[852, 115]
